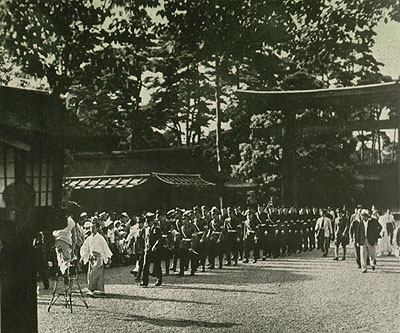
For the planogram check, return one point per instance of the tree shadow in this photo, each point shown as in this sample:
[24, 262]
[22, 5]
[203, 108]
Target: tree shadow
[227, 290]
[143, 298]
[385, 271]
[45, 300]
[253, 274]
[167, 322]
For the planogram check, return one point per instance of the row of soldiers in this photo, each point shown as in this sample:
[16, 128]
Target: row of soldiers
[205, 236]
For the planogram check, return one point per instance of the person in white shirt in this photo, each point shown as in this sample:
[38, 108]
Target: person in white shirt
[384, 246]
[323, 228]
[388, 220]
[96, 252]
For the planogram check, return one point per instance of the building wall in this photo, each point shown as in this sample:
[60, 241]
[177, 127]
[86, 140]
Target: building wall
[137, 162]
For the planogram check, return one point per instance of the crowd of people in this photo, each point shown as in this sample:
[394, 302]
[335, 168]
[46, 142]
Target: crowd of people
[197, 239]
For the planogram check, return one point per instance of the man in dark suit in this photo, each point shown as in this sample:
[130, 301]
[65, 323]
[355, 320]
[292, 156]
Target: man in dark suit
[153, 244]
[367, 237]
[354, 222]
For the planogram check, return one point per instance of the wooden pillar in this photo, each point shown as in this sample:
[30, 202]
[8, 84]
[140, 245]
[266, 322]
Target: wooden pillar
[219, 185]
[289, 183]
[398, 152]
[18, 273]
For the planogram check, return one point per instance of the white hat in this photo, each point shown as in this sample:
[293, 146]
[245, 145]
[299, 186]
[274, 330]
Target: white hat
[108, 222]
[83, 214]
[87, 224]
[365, 213]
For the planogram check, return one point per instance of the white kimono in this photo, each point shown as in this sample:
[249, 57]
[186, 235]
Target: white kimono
[95, 244]
[95, 251]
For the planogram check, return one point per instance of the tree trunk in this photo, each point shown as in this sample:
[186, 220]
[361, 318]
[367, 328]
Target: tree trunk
[218, 129]
[218, 115]
[135, 112]
[379, 147]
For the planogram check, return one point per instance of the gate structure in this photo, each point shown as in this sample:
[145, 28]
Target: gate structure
[347, 99]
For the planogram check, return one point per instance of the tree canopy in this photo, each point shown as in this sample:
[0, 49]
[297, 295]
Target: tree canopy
[191, 56]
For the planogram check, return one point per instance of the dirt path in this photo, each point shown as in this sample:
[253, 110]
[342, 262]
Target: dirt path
[301, 293]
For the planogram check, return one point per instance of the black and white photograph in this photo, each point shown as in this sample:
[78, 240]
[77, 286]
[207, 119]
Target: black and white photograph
[199, 166]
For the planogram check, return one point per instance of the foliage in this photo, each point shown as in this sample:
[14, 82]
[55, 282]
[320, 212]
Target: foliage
[101, 55]
[94, 52]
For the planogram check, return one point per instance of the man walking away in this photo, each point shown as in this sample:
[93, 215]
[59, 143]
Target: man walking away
[368, 233]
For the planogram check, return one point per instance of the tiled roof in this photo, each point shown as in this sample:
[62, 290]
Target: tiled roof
[129, 181]
[106, 182]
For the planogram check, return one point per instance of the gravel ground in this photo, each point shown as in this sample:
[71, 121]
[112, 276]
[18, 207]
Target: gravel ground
[300, 293]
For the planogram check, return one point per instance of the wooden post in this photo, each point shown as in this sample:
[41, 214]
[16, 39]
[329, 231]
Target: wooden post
[218, 131]
[289, 184]
[398, 151]
[18, 272]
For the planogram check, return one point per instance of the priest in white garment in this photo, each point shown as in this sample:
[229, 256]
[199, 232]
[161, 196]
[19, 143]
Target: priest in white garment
[96, 252]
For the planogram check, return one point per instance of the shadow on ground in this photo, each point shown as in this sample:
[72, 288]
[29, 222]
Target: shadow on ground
[44, 299]
[167, 322]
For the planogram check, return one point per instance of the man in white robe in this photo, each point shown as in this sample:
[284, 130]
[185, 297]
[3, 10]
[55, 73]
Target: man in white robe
[96, 252]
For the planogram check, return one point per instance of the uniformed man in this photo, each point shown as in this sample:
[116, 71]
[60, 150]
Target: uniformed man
[200, 237]
[176, 236]
[275, 238]
[262, 217]
[250, 237]
[215, 239]
[232, 229]
[153, 243]
[187, 252]
[167, 240]
[284, 228]
[241, 218]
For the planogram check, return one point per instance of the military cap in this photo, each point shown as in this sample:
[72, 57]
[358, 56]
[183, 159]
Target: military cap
[171, 212]
[149, 214]
[188, 213]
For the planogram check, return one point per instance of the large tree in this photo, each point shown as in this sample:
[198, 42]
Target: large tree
[95, 51]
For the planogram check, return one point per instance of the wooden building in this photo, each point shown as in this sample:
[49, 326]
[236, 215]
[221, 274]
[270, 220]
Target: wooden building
[139, 180]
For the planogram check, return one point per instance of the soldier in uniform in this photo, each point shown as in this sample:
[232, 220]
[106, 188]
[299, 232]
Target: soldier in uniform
[290, 236]
[153, 243]
[250, 236]
[186, 246]
[232, 229]
[215, 236]
[275, 238]
[284, 228]
[299, 237]
[262, 217]
[200, 237]
[176, 236]
[167, 240]
[241, 218]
